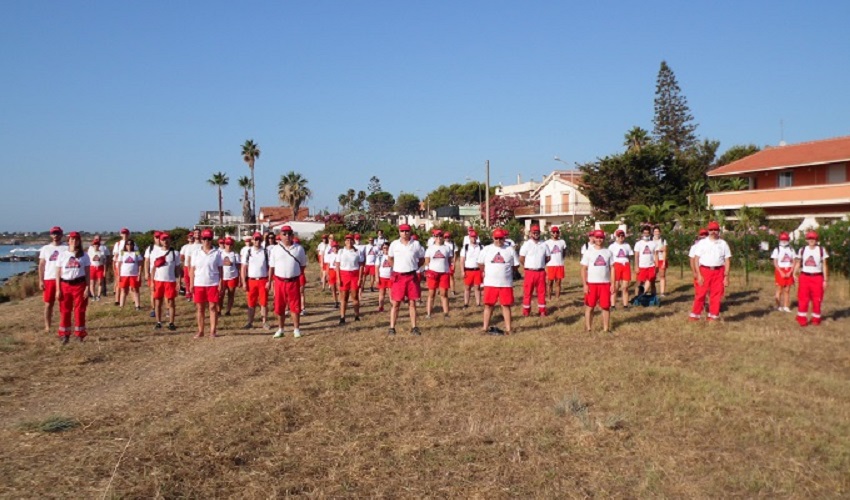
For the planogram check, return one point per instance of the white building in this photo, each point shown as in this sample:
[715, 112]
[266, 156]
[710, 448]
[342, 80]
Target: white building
[556, 200]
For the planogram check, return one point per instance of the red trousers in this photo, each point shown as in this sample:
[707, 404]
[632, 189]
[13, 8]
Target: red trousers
[534, 281]
[712, 285]
[809, 289]
[74, 298]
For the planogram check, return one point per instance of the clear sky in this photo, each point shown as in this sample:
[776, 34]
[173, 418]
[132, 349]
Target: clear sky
[116, 113]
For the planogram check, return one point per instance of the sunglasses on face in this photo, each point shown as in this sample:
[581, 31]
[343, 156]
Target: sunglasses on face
[404, 230]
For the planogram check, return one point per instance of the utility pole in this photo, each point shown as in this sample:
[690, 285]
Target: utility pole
[487, 195]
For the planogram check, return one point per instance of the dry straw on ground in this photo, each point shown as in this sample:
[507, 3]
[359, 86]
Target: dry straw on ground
[754, 406]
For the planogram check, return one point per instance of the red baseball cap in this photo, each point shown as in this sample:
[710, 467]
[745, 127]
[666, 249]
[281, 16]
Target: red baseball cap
[74, 234]
[285, 228]
[206, 233]
[164, 236]
[435, 231]
[55, 230]
[535, 227]
[356, 236]
[404, 227]
[783, 236]
[157, 234]
[713, 226]
[703, 232]
[811, 235]
[554, 229]
[190, 236]
[228, 241]
[619, 232]
[349, 237]
[447, 234]
[499, 233]
[599, 233]
[124, 230]
[258, 234]
[334, 243]
[473, 233]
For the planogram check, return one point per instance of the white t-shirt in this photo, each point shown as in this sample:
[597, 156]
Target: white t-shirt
[440, 258]
[230, 265]
[287, 261]
[469, 253]
[350, 259]
[320, 249]
[130, 262]
[72, 267]
[330, 256]
[361, 247]
[535, 253]
[405, 257]
[50, 255]
[622, 252]
[784, 256]
[383, 267]
[164, 264]
[498, 265]
[207, 267]
[257, 261]
[556, 252]
[712, 253]
[117, 248]
[598, 263]
[188, 249]
[97, 255]
[645, 250]
[660, 247]
[371, 253]
[811, 259]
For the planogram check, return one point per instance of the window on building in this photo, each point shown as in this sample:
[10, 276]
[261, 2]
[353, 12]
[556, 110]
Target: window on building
[836, 174]
[547, 204]
[786, 179]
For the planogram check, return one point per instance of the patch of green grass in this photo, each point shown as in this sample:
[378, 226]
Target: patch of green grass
[55, 423]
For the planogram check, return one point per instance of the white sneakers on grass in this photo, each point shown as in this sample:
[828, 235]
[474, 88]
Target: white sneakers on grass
[279, 333]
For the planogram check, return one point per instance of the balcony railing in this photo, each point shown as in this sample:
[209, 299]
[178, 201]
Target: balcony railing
[554, 210]
[796, 196]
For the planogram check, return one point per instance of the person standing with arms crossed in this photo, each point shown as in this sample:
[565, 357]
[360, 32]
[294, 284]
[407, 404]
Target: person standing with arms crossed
[596, 276]
[811, 269]
[406, 256]
[48, 257]
[286, 265]
[714, 259]
[206, 273]
[534, 255]
[72, 283]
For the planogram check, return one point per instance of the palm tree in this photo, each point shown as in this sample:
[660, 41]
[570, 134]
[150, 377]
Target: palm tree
[219, 179]
[737, 184]
[636, 139]
[663, 214]
[717, 184]
[250, 152]
[246, 184]
[293, 191]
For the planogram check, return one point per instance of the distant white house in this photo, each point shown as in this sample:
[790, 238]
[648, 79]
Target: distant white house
[556, 200]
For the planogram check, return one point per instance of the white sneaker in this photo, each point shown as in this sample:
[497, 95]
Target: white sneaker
[787, 309]
[296, 333]
[278, 334]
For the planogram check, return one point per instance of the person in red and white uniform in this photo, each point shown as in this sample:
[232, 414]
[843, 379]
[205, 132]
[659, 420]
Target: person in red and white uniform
[164, 264]
[206, 272]
[186, 251]
[406, 256]
[384, 271]
[98, 256]
[380, 239]
[255, 280]
[148, 268]
[693, 260]
[438, 262]
[320, 256]
[645, 262]
[230, 274]
[361, 247]
[302, 280]
[331, 255]
[349, 268]
[48, 256]
[117, 248]
[812, 270]
[72, 276]
[129, 273]
[371, 252]
[447, 236]
[286, 265]
[497, 262]
[783, 272]
[661, 263]
[534, 255]
[622, 252]
[714, 259]
[596, 266]
[472, 278]
[555, 264]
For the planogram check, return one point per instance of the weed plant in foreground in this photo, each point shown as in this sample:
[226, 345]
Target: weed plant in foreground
[752, 406]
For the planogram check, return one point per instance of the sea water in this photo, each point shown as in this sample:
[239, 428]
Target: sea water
[8, 269]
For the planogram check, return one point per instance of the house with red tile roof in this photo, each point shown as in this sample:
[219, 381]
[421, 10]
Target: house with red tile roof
[272, 216]
[808, 179]
[556, 200]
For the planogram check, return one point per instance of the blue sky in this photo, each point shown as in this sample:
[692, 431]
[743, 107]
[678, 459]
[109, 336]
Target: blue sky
[115, 113]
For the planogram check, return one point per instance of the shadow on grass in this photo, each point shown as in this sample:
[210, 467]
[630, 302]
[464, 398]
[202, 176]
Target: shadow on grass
[745, 315]
[742, 297]
[844, 313]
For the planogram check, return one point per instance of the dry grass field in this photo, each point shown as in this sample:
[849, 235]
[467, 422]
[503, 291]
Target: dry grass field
[661, 407]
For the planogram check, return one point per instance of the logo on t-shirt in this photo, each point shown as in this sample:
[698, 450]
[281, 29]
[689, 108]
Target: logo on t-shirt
[386, 264]
[97, 258]
[600, 261]
[810, 262]
[227, 261]
[439, 255]
[372, 252]
[621, 253]
[646, 250]
[786, 258]
[129, 260]
[73, 263]
[498, 259]
[54, 255]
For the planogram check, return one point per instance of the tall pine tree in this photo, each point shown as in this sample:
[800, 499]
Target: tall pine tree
[673, 120]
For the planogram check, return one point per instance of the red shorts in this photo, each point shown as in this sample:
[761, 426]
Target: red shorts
[646, 274]
[554, 273]
[129, 282]
[405, 286]
[349, 281]
[452, 269]
[472, 277]
[598, 293]
[384, 283]
[622, 272]
[97, 273]
[205, 294]
[369, 270]
[780, 280]
[332, 276]
[437, 280]
[661, 264]
[302, 280]
[503, 295]
[258, 292]
[164, 289]
[231, 284]
[287, 295]
[49, 295]
[325, 267]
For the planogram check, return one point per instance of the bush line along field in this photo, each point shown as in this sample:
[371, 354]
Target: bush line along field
[753, 406]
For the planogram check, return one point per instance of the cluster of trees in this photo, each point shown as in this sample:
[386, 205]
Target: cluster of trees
[664, 170]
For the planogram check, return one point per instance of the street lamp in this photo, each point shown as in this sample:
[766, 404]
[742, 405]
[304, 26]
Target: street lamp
[558, 158]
